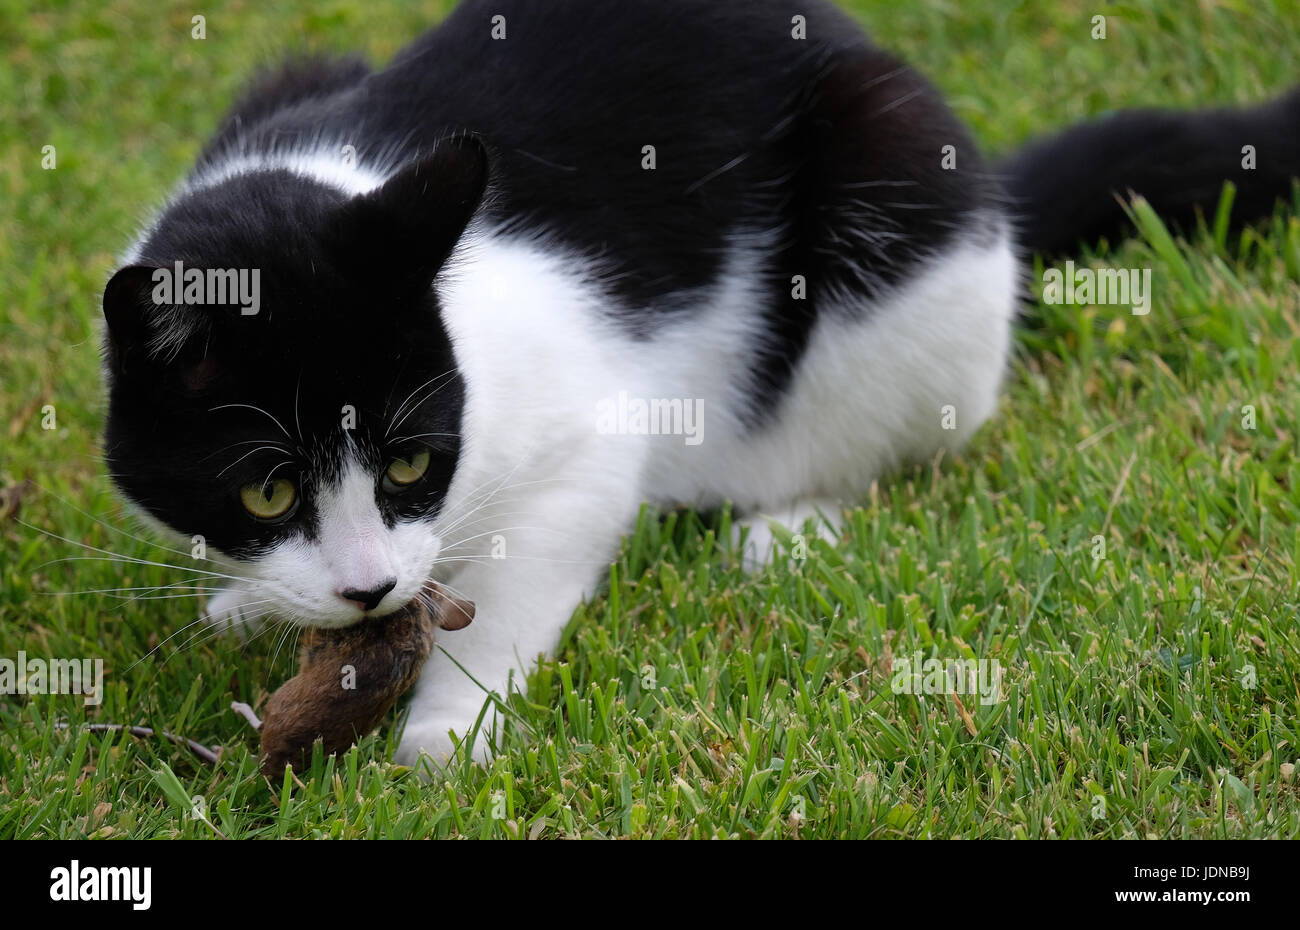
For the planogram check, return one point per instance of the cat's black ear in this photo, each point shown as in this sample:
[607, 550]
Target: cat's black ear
[143, 343]
[127, 299]
[402, 232]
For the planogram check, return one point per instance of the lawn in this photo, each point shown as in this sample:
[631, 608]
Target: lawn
[1122, 539]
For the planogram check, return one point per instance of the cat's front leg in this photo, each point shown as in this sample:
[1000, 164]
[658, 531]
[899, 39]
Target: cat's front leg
[549, 555]
[237, 609]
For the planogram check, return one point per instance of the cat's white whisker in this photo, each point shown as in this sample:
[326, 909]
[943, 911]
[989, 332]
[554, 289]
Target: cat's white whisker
[108, 526]
[244, 456]
[401, 439]
[444, 377]
[129, 560]
[272, 417]
[196, 592]
[269, 443]
[204, 620]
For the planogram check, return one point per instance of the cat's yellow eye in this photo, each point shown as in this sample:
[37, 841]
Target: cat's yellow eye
[270, 500]
[409, 469]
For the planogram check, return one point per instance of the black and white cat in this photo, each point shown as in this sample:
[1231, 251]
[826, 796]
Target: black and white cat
[478, 267]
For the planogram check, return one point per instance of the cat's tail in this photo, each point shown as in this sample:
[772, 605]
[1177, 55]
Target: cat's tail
[1064, 188]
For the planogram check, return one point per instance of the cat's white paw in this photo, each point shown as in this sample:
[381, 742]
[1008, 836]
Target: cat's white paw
[434, 738]
[233, 610]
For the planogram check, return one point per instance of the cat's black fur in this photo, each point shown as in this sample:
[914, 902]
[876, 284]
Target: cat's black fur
[827, 145]
[753, 130]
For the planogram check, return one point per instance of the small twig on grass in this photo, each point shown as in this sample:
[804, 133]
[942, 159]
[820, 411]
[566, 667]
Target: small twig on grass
[1119, 489]
[210, 756]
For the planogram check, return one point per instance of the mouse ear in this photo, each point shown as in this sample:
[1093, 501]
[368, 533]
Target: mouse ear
[403, 231]
[454, 613]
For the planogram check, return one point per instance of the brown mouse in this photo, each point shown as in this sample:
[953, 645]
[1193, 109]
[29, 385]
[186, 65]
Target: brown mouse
[350, 678]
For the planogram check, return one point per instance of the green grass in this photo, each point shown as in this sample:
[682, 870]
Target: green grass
[691, 699]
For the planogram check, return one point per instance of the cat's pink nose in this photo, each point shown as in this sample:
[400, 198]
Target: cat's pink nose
[368, 600]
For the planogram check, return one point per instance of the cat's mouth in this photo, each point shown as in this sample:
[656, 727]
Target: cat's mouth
[370, 599]
[351, 606]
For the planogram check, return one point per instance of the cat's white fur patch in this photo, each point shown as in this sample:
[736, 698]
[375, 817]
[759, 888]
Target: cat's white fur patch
[334, 165]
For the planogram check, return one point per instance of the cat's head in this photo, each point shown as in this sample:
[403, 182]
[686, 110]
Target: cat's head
[293, 398]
